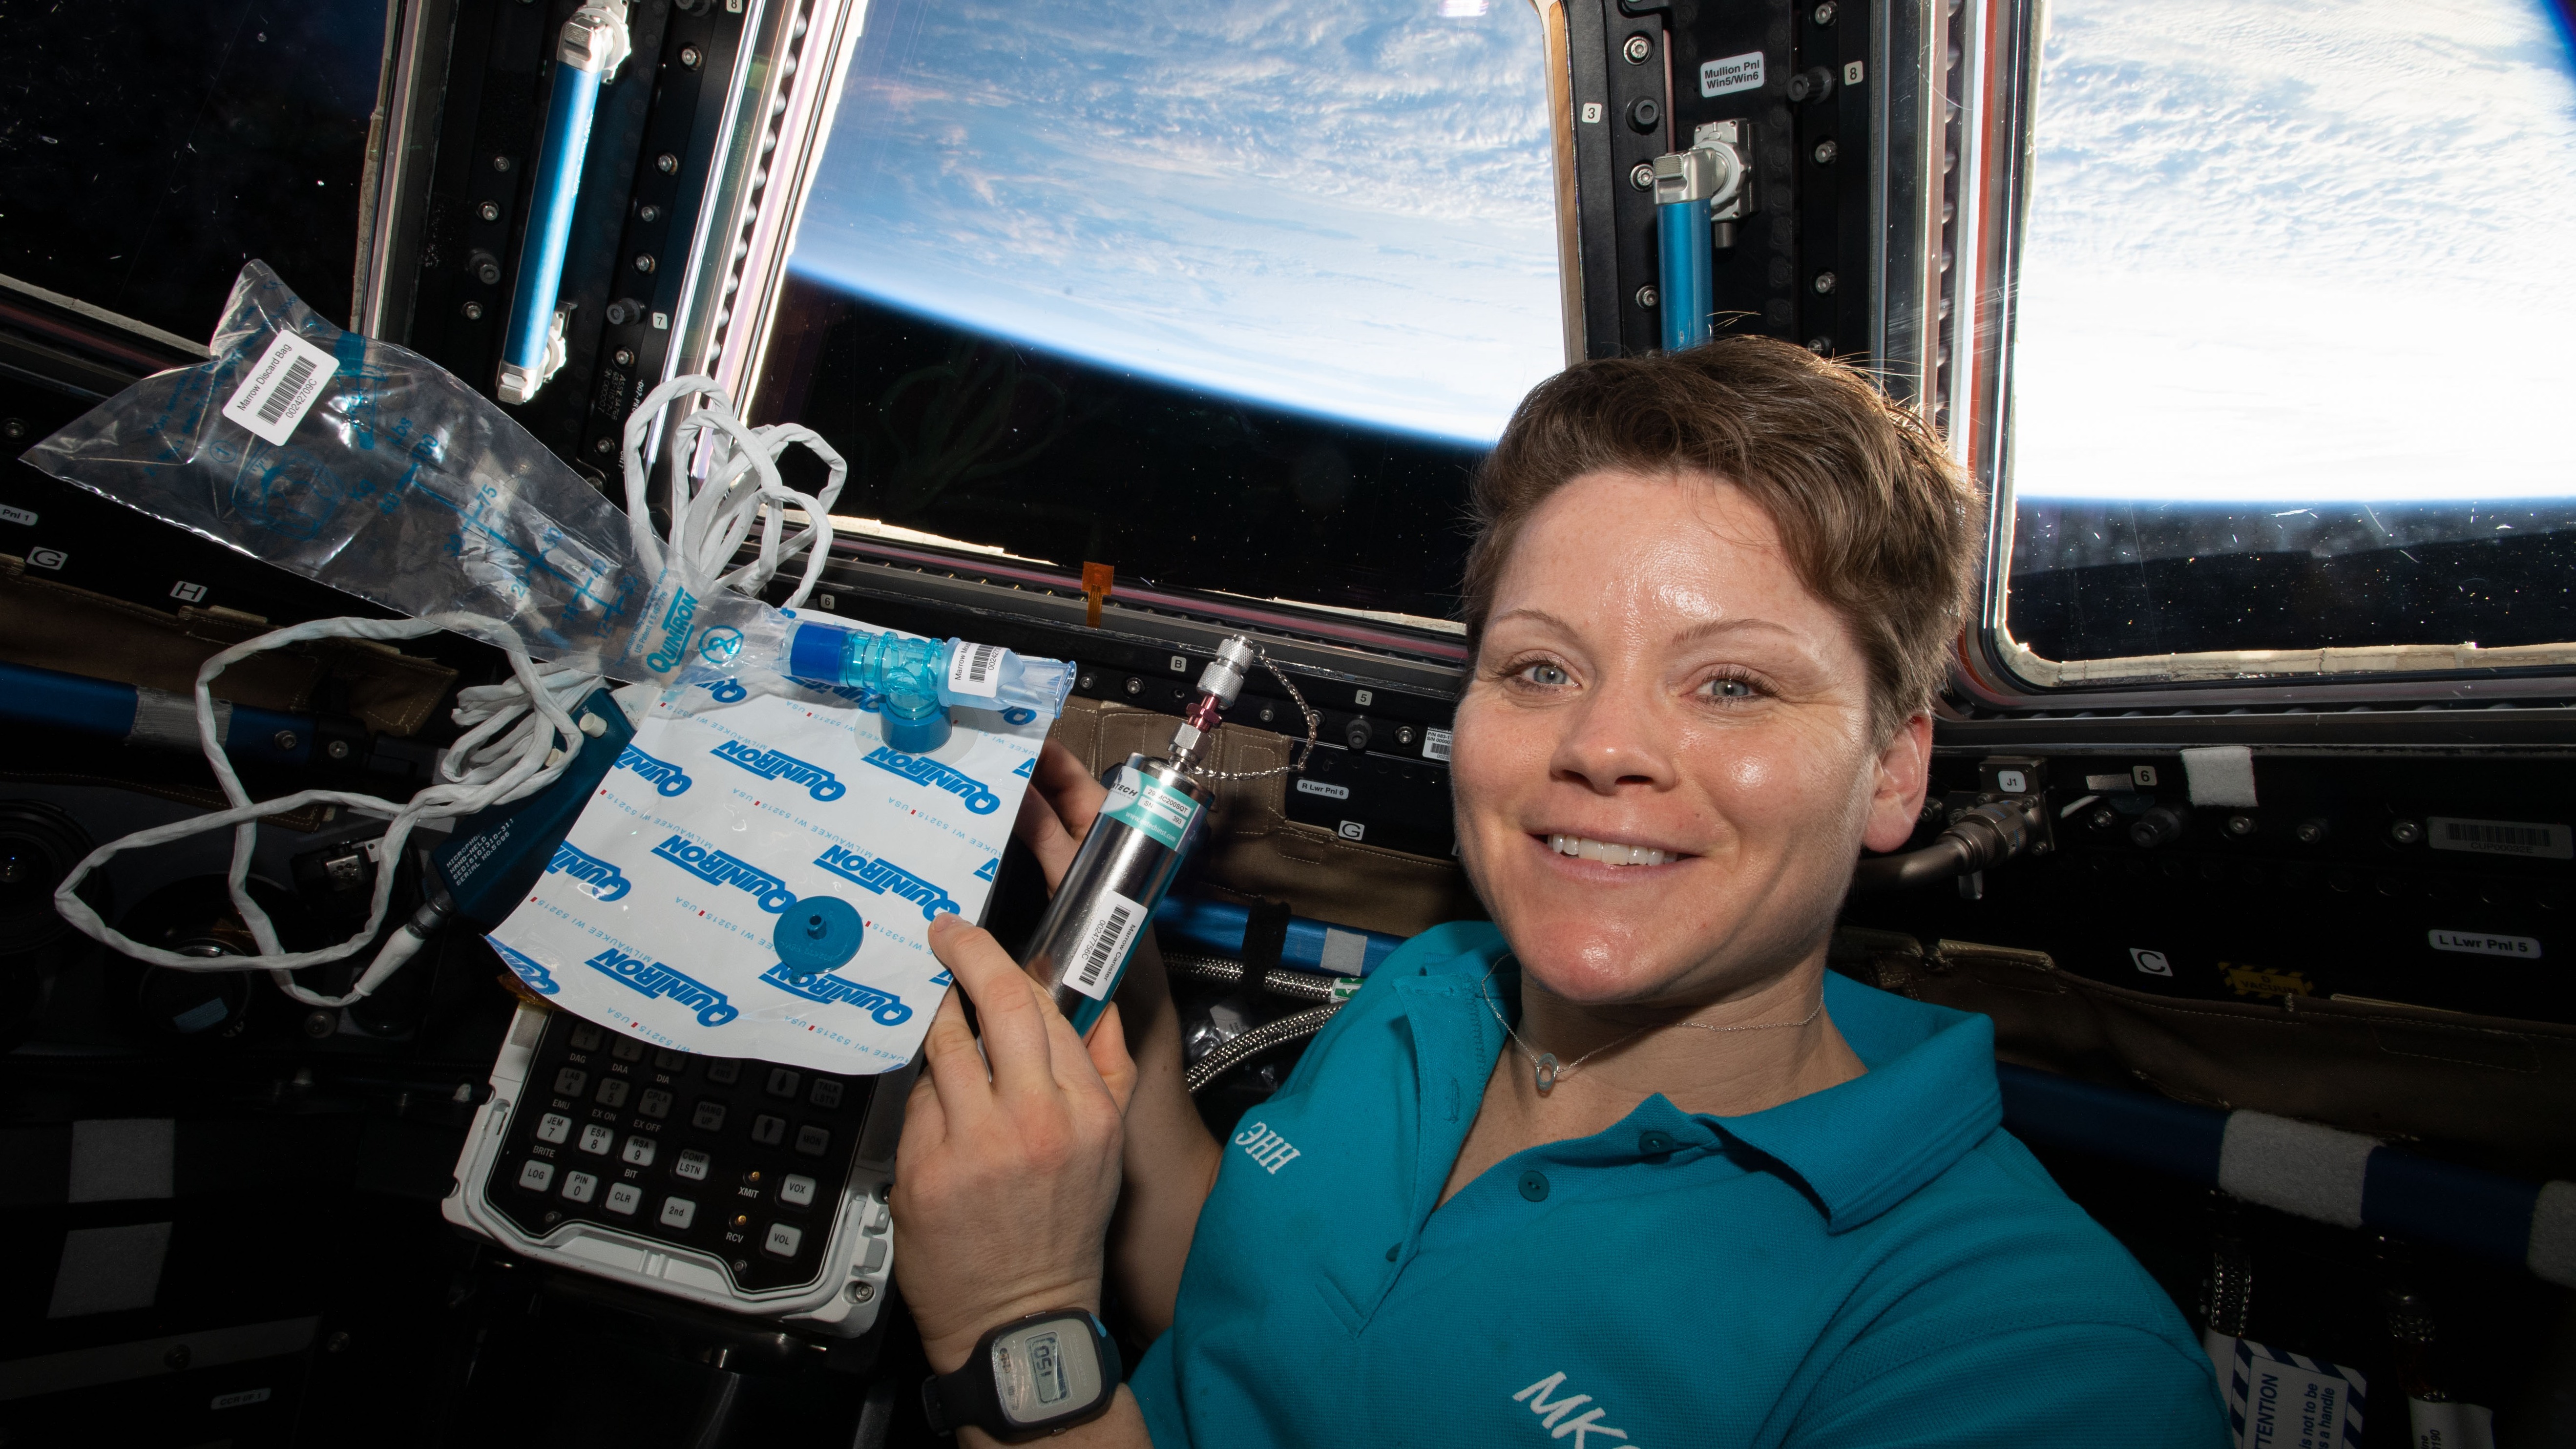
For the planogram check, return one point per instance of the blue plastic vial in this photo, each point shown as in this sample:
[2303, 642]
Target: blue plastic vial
[917, 681]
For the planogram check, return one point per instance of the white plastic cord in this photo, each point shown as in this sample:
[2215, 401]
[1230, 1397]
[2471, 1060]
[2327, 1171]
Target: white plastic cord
[738, 486]
[519, 735]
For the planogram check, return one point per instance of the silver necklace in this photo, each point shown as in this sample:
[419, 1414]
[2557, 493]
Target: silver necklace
[1547, 1072]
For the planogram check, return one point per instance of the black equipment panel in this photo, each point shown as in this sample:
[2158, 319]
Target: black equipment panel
[741, 1160]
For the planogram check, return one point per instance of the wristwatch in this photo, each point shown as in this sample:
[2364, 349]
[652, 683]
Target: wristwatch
[1029, 1378]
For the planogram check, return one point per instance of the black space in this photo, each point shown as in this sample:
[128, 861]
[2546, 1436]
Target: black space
[148, 150]
[978, 439]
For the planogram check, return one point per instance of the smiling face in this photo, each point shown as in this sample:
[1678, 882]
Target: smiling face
[1665, 765]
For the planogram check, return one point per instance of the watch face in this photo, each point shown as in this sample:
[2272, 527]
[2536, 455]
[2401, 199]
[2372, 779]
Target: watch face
[1046, 1369]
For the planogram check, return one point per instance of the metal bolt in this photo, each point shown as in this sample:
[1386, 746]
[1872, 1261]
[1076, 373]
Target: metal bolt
[336, 1343]
[2406, 832]
[604, 447]
[1825, 12]
[337, 749]
[1826, 151]
[177, 1358]
[1642, 176]
[692, 57]
[1824, 281]
[15, 428]
[284, 739]
[489, 211]
[1135, 685]
[861, 1292]
[500, 163]
[1404, 734]
[2240, 825]
[1647, 297]
[1821, 346]
[2103, 818]
[473, 311]
[1639, 49]
[320, 1023]
[644, 262]
[648, 212]
[623, 357]
[2310, 831]
[487, 270]
[667, 164]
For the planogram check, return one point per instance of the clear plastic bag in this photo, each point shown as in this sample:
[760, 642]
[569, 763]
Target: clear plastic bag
[369, 468]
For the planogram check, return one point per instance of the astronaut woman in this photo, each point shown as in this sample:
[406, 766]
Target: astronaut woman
[1625, 1165]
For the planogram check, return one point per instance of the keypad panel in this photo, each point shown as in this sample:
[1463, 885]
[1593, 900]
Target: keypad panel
[740, 1160]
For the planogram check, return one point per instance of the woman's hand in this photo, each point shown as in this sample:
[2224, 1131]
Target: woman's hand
[1057, 811]
[1009, 1165]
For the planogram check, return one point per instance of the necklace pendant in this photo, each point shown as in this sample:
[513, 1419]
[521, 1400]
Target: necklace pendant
[1546, 1073]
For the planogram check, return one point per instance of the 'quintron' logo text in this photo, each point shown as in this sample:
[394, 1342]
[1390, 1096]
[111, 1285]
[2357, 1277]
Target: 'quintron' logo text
[606, 881]
[718, 868]
[675, 632]
[930, 772]
[665, 777]
[886, 878]
[653, 979]
[820, 783]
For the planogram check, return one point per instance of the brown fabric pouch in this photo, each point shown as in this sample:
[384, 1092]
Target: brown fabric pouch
[2493, 1092]
[1255, 852]
[55, 626]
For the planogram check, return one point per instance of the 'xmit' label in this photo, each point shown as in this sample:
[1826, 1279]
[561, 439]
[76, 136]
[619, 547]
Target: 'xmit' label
[1102, 947]
[281, 387]
[1735, 73]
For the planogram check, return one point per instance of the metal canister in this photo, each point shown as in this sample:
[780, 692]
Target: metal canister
[1101, 909]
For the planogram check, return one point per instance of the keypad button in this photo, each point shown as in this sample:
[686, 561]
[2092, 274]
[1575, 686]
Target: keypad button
[796, 1190]
[655, 1103]
[571, 1080]
[813, 1141]
[596, 1139]
[612, 1092]
[586, 1037]
[826, 1093]
[627, 1049]
[724, 1073]
[554, 1127]
[578, 1186]
[678, 1212]
[709, 1117]
[638, 1153]
[537, 1176]
[782, 1082]
[624, 1199]
[692, 1166]
[768, 1131]
[667, 1060]
[782, 1240]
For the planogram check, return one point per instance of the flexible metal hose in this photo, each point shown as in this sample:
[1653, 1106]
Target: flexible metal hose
[1295, 1027]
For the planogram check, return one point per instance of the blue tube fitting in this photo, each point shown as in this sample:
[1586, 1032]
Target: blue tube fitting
[1685, 269]
[569, 113]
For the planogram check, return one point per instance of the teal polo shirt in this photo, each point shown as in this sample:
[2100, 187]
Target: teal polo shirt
[1878, 1263]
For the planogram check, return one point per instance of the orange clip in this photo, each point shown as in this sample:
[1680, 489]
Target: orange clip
[1095, 589]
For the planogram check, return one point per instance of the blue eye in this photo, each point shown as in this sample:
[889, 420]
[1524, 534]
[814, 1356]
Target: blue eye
[1731, 689]
[1546, 674]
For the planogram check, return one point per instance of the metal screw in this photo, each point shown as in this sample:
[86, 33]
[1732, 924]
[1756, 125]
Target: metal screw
[2240, 824]
[283, 739]
[320, 1023]
[2103, 818]
[692, 57]
[1825, 12]
[2310, 831]
[1826, 151]
[337, 749]
[500, 163]
[489, 211]
[666, 163]
[1821, 346]
[1647, 297]
[336, 1343]
[1824, 281]
[473, 311]
[862, 1292]
[1135, 685]
[1404, 734]
[2406, 832]
[604, 447]
[176, 1359]
[1642, 176]
[15, 428]
[649, 212]
[644, 262]
[623, 357]
[1639, 49]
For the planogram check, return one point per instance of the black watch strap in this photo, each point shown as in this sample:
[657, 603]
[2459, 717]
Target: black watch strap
[1045, 1352]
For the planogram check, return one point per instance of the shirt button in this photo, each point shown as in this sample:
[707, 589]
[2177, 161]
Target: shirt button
[1653, 1143]
[1534, 1185]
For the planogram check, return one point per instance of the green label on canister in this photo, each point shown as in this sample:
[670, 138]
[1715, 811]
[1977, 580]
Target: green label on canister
[1144, 803]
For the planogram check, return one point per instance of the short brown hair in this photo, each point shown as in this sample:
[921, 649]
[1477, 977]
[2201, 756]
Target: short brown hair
[1876, 519]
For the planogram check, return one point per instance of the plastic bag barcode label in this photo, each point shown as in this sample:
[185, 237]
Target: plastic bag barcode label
[2501, 837]
[280, 388]
[1106, 939]
[976, 669]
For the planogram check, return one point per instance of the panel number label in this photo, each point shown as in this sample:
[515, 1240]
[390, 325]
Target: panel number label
[2479, 943]
[2501, 837]
[1735, 73]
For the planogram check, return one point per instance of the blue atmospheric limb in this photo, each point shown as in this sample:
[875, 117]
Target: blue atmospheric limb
[917, 681]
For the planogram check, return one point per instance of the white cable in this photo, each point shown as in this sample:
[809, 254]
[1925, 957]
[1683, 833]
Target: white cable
[519, 735]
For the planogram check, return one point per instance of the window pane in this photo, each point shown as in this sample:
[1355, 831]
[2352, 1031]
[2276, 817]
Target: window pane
[1229, 295]
[2290, 368]
[147, 151]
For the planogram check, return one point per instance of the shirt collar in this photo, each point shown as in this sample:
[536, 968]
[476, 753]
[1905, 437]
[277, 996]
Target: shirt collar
[1857, 1149]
